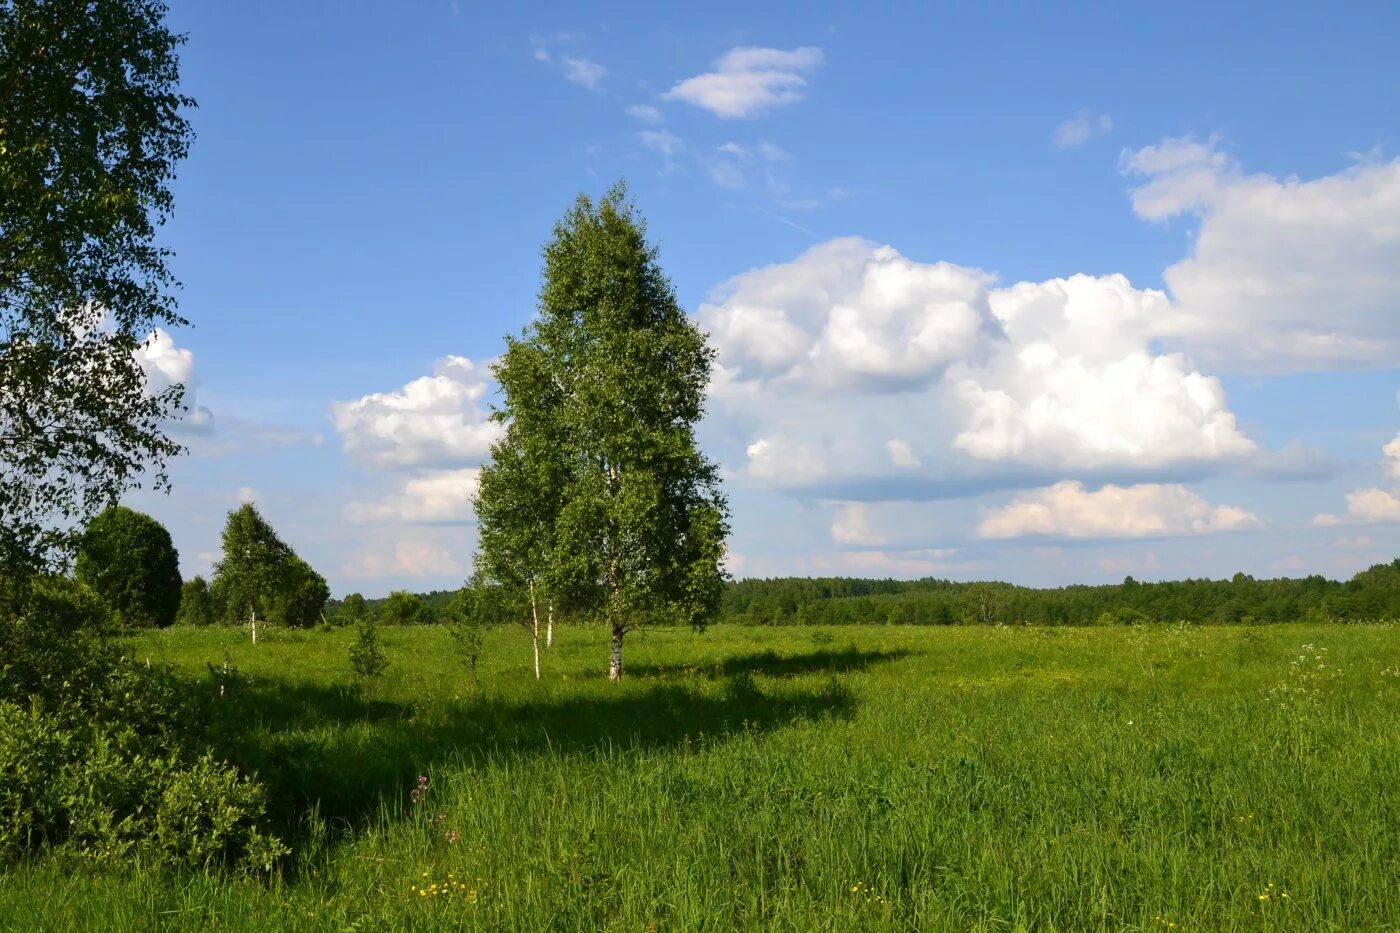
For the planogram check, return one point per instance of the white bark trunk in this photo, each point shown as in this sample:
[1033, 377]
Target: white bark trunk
[549, 630]
[254, 625]
[535, 629]
[615, 661]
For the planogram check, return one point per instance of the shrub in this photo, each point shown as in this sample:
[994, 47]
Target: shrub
[101, 757]
[367, 654]
[127, 557]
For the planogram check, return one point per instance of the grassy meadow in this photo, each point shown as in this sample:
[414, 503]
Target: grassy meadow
[852, 778]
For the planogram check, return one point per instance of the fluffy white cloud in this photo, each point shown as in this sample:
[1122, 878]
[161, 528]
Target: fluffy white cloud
[1284, 274]
[852, 525]
[166, 365]
[749, 81]
[1074, 384]
[1392, 458]
[1365, 507]
[825, 359]
[1069, 510]
[410, 558]
[901, 454]
[437, 419]
[1081, 128]
[847, 314]
[439, 496]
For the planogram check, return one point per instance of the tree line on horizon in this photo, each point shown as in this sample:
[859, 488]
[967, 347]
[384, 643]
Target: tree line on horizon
[1370, 595]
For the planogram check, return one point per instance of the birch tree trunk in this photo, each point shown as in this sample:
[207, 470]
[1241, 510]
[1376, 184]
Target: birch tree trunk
[535, 628]
[615, 660]
[549, 630]
[254, 625]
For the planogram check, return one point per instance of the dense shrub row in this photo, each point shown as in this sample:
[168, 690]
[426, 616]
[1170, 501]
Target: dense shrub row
[104, 759]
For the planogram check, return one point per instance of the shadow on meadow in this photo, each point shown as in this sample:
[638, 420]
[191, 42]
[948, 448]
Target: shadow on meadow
[774, 664]
[348, 756]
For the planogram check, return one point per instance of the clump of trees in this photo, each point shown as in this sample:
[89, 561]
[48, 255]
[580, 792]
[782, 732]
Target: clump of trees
[597, 500]
[260, 578]
[128, 559]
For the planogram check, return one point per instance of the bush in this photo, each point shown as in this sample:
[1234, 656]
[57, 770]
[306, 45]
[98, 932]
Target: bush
[367, 654]
[103, 758]
[127, 557]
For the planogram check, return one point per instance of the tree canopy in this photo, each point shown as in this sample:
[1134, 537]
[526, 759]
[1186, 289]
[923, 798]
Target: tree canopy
[598, 490]
[91, 127]
[128, 559]
[259, 577]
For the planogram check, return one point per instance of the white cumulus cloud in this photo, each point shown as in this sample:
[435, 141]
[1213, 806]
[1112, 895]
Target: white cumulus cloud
[1284, 274]
[407, 558]
[1069, 510]
[436, 496]
[166, 365]
[749, 81]
[433, 420]
[825, 359]
[1365, 507]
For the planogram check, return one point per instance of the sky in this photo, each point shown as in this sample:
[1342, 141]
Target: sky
[1041, 295]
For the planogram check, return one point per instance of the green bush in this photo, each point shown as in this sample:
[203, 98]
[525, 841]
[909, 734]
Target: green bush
[367, 654]
[103, 758]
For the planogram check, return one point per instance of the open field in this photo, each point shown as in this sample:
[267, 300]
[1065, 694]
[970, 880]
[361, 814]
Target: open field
[801, 778]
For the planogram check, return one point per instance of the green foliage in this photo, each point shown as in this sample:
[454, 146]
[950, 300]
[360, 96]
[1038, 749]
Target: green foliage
[465, 623]
[405, 608]
[367, 656]
[99, 755]
[351, 609]
[260, 574]
[597, 491]
[1373, 594]
[196, 603]
[127, 557]
[90, 131]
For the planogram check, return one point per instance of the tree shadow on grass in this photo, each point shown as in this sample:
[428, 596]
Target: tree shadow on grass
[330, 749]
[775, 664]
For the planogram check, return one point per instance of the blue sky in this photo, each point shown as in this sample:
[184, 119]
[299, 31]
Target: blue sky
[1047, 296]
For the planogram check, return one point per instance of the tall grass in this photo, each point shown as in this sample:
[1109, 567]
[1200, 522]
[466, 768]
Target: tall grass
[800, 779]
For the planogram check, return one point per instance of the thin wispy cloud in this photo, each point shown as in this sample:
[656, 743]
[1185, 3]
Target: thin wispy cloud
[749, 81]
[1082, 127]
[575, 68]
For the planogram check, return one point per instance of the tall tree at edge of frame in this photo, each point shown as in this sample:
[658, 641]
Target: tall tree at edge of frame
[91, 127]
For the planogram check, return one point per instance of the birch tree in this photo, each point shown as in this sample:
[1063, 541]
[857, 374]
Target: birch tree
[259, 574]
[91, 126]
[598, 489]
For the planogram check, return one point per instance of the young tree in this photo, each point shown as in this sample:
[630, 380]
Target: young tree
[352, 609]
[367, 655]
[259, 573]
[128, 559]
[196, 603]
[465, 623]
[518, 498]
[598, 491]
[91, 126]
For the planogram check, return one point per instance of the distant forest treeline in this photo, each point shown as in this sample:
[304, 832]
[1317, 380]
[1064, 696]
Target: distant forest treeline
[1373, 594]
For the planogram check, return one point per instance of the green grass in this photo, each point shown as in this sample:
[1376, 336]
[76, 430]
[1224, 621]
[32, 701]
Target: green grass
[800, 779]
